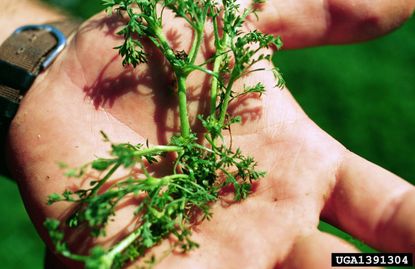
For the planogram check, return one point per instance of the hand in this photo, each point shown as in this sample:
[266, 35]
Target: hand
[309, 174]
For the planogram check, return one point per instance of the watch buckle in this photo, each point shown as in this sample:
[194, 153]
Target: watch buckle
[60, 38]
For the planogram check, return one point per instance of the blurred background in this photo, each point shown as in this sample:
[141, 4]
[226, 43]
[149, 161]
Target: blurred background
[363, 95]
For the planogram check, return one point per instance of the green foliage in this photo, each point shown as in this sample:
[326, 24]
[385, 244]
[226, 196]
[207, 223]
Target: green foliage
[170, 205]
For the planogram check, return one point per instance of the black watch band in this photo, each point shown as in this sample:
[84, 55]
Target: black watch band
[28, 51]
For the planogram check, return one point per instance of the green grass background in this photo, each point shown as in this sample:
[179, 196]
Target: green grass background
[363, 95]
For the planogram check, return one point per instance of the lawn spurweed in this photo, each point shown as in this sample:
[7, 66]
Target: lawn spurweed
[170, 204]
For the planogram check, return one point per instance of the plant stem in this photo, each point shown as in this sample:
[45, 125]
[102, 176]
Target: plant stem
[181, 82]
[165, 47]
[218, 62]
[172, 177]
[197, 41]
[105, 179]
[157, 149]
[214, 88]
[226, 100]
[184, 116]
[121, 246]
[75, 257]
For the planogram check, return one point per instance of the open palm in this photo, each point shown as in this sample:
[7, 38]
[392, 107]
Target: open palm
[309, 175]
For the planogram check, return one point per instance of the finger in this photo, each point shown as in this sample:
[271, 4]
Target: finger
[373, 205]
[314, 251]
[303, 23]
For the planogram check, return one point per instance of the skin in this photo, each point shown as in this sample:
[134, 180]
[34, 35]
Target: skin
[310, 176]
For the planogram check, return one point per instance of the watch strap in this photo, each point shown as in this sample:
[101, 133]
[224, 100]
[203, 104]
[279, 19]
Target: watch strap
[28, 51]
[22, 55]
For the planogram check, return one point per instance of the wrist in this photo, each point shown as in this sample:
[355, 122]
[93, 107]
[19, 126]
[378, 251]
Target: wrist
[15, 14]
[25, 53]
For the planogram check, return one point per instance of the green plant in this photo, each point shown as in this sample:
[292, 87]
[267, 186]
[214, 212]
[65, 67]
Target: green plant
[171, 204]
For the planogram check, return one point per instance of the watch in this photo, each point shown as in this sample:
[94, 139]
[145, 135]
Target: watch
[28, 51]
